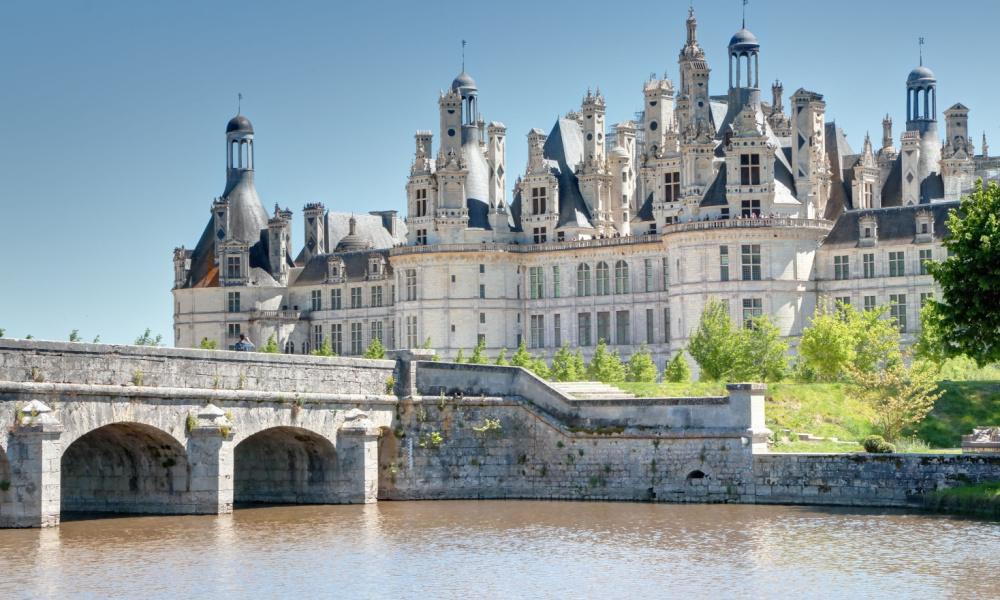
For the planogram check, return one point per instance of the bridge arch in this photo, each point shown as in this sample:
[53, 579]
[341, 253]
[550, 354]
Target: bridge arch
[286, 465]
[124, 467]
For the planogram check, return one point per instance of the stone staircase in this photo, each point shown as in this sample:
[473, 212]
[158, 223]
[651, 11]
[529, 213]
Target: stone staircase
[591, 390]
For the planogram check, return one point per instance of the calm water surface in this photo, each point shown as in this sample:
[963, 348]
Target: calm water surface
[508, 549]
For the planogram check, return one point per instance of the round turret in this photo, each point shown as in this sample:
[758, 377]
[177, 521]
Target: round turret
[743, 41]
[464, 83]
[352, 241]
[920, 76]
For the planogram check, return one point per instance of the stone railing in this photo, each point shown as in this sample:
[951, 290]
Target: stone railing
[527, 248]
[749, 223]
[275, 315]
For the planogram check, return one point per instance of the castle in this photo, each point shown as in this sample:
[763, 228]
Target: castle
[616, 233]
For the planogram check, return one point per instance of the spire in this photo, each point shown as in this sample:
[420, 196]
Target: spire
[692, 27]
[887, 131]
[463, 55]
[921, 46]
[239, 102]
[745, 14]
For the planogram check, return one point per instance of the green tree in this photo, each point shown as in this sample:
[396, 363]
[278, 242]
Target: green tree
[97, 339]
[640, 366]
[605, 366]
[147, 339]
[324, 350]
[375, 349]
[579, 365]
[930, 344]
[270, 347]
[207, 344]
[521, 358]
[460, 357]
[715, 344]
[899, 396]
[564, 365]
[2, 332]
[538, 366]
[29, 337]
[765, 355]
[502, 358]
[677, 370]
[969, 314]
[840, 337]
[479, 354]
[74, 336]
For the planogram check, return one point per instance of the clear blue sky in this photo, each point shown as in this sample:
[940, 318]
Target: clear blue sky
[112, 114]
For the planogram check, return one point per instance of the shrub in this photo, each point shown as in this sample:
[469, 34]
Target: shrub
[877, 445]
[270, 347]
[147, 339]
[502, 358]
[324, 350]
[479, 354]
[375, 349]
[677, 370]
[207, 344]
[641, 367]
[605, 366]
[565, 366]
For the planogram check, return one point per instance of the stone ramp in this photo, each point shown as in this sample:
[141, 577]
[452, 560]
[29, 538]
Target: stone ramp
[591, 390]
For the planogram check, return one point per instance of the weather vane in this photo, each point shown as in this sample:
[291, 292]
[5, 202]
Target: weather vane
[463, 55]
[239, 102]
[745, 13]
[921, 46]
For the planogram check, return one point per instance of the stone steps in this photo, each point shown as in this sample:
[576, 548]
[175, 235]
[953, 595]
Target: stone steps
[591, 390]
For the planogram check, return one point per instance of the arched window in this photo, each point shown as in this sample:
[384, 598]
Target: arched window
[583, 280]
[603, 279]
[621, 277]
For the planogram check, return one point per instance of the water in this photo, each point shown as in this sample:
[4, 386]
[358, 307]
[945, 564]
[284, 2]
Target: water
[508, 549]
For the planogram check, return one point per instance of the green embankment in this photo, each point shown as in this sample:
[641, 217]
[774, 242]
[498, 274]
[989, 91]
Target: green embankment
[828, 410]
[981, 500]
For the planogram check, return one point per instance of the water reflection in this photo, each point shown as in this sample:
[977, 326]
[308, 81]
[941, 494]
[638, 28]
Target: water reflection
[507, 549]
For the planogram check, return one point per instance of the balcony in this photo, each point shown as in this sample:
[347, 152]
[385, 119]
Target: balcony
[279, 316]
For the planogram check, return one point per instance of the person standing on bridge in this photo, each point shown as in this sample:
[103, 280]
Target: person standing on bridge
[244, 345]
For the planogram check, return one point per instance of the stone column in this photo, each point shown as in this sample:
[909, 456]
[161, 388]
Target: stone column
[357, 460]
[407, 369]
[747, 399]
[34, 452]
[210, 456]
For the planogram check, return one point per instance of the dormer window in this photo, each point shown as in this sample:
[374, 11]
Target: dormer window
[335, 271]
[376, 267]
[750, 169]
[925, 226]
[868, 231]
[233, 266]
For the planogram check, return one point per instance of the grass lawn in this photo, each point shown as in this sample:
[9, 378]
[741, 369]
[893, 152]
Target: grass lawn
[829, 410]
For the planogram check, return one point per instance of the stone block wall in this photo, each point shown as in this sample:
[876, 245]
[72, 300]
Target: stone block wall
[864, 479]
[504, 448]
[102, 364]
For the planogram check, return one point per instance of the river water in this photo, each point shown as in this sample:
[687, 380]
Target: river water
[513, 549]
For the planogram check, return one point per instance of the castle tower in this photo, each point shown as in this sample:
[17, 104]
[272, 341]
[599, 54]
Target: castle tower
[957, 167]
[867, 192]
[592, 110]
[777, 119]
[314, 215]
[809, 161]
[694, 112]
[658, 117]
[279, 242]
[921, 120]
[496, 157]
[744, 71]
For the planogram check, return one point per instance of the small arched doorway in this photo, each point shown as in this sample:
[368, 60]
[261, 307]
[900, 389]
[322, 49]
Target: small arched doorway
[286, 465]
[124, 468]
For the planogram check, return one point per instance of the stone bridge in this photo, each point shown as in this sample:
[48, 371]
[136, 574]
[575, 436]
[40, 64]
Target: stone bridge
[124, 429]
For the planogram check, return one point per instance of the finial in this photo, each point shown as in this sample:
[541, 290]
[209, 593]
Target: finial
[921, 46]
[239, 102]
[745, 13]
[463, 55]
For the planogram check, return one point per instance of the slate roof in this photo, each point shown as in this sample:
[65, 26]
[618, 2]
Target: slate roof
[564, 148]
[838, 151]
[645, 214]
[896, 225]
[369, 228]
[355, 267]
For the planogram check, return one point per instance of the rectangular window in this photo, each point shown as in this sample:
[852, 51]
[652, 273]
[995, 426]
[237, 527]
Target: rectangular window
[421, 237]
[750, 209]
[411, 332]
[751, 262]
[752, 308]
[557, 330]
[845, 300]
[482, 269]
[925, 257]
[335, 300]
[482, 318]
[411, 285]
[869, 195]
[376, 331]
[357, 344]
[337, 338]
[648, 267]
[583, 280]
[841, 267]
[233, 267]
[482, 290]
[356, 297]
[897, 310]
[421, 203]
[897, 264]
[536, 282]
[604, 327]
[870, 303]
[621, 277]
[672, 187]
[723, 263]
[868, 262]
[750, 169]
[583, 329]
[538, 201]
[623, 327]
[556, 282]
[376, 296]
[537, 330]
[317, 336]
[650, 327]
[540, 235]
[233, 330]
[924, 297]
[316, 297]
[666, 325]
[666, 273]
[233, 302]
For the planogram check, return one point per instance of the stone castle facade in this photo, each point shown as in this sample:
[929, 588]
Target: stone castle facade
[619, 233]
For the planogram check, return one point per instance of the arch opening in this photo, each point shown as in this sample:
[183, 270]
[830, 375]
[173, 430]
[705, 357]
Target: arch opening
[124, 468]
[286, 465]
[696, 474]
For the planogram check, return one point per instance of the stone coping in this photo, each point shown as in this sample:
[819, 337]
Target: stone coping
[155, 352]
[176, 393]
